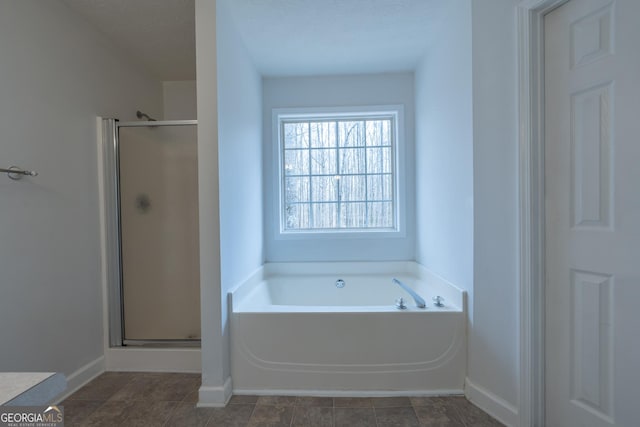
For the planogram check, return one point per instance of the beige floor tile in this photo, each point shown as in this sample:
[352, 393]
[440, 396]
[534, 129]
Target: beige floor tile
[354, 417]
[271, 416]
[277, 400]
[352, 402]
[236, 415]
[312, 416]
[188, 415]
[396, 417]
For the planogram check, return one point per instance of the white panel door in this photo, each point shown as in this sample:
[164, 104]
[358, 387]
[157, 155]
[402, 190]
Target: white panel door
[592, 161]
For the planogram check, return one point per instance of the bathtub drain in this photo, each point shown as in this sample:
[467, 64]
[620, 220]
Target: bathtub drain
[339, 283]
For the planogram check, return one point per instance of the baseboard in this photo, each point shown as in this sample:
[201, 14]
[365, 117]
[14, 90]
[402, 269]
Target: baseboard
[349, 393]
[495, 406]
[153, 359]
[81, 377]
[215, 397]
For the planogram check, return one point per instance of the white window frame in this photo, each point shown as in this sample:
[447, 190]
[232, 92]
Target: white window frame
[399, 175]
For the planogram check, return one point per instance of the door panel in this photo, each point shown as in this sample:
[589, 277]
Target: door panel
[159, 232]
[592, 64]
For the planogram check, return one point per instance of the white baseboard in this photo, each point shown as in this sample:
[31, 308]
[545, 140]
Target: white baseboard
[81, 377]
[153, 359]
[495, 406]
[215, 397]
[349, 393]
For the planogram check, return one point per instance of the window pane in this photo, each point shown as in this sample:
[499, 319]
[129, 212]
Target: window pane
[378, 132]
[296, 135]
[296, 189]
[325, 215]
[380, 215]
[386, 132]
[353, 215]
[324, 189]
[379, 160]
[352, 160]
[351, 134]
[379, 187]
[323, 162]
[323, 134]
[296, 162]
[375, 133]
[352, 188]
[296, 217]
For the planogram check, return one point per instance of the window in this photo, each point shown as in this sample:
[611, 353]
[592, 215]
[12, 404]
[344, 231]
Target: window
[338, 171]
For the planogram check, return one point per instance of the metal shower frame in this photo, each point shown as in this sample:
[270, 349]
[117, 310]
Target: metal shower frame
[113, 262]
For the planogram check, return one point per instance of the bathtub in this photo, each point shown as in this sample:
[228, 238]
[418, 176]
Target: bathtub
[293, 331]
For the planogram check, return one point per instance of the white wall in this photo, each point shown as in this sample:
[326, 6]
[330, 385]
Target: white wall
[444, 149]
[180, 101]
[493, 340]
[466, 193]
[230, 179]
[56, 75]
[212, 389]
[337, 91]
[240, 148]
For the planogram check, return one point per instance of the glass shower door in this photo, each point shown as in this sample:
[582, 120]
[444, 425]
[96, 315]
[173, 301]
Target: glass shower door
[158, 199]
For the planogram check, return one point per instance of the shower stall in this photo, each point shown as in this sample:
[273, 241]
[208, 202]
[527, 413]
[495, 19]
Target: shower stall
[151, 217]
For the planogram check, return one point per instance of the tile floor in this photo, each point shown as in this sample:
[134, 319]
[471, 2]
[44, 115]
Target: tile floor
[161, 399]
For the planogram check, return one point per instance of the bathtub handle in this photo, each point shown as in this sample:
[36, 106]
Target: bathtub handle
[420, 303]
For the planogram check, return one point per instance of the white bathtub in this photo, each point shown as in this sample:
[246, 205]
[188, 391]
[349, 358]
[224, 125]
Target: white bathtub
[294, 331]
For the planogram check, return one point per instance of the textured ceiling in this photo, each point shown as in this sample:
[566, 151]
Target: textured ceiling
[284, 37]
[311, 37]
[159, 33]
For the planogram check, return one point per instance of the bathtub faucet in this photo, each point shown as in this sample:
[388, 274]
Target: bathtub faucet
[417, 298]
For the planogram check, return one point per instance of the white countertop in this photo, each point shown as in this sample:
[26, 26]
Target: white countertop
[13, 384]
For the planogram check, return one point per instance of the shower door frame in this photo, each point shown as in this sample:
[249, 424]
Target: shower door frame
[113, 228]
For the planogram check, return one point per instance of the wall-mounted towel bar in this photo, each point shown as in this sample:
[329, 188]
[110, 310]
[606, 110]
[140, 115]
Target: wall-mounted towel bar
[17, 173]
